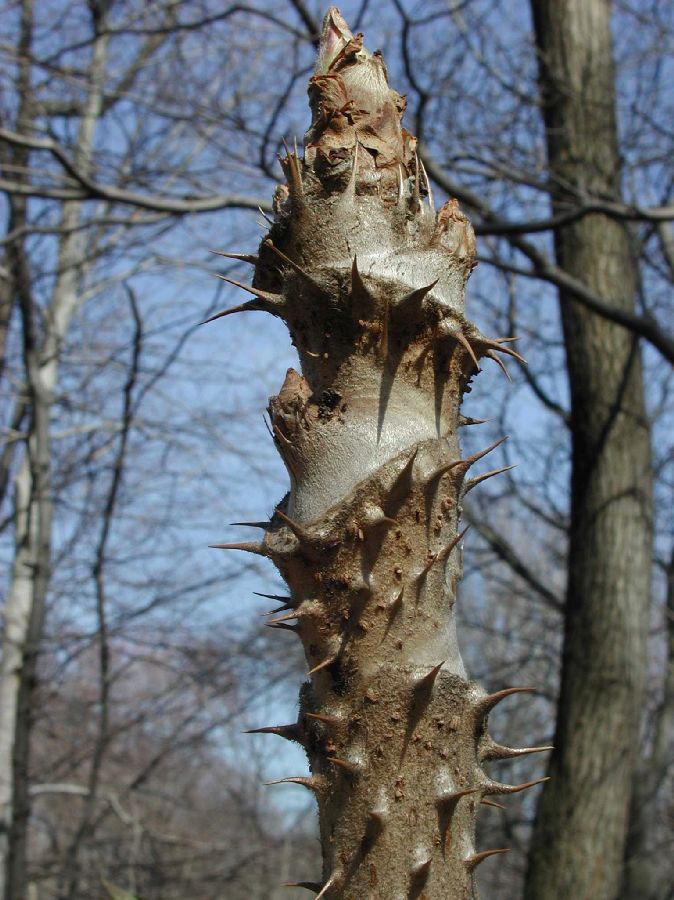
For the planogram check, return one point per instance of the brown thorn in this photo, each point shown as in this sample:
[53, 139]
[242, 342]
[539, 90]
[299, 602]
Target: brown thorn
[292, 171]
[471, 460]
[494, 787]
[243, 257]
[508, 352]
[410, 300]
[291, 262]
[263, 525]
[283, 626]
[310, 782]
[465, 343]
[323, 664]
[484, 802]
[494, 751]
[298, 530]
[492, 355]
[264, 215]
[429, 190]
[271, 612]
[246, 546]
[289, 732]
[443, 554]
[477, 858]
[424, 685]
[401, 185]
[250, 306]
[484, 705]
[286, 618]
[467, 420]
[447, 802]
[350, 768]
[274, 299]
[280, 597]
[358, 288]
[473, 482]
[326, 720]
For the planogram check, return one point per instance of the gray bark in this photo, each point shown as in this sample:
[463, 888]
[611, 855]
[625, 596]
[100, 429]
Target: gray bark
[582, 820]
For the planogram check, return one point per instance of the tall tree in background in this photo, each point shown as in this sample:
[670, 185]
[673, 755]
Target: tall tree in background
[582, 820]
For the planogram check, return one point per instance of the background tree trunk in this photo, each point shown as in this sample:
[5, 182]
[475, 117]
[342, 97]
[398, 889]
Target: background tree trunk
[581, 826]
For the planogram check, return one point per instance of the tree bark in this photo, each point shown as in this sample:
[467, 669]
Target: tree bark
[370, 282]
[581, 826]
[24, 610]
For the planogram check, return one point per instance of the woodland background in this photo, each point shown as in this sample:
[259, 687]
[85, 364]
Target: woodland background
[134, 139]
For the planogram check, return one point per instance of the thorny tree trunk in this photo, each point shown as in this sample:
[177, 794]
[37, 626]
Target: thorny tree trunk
[370, 282]
[581, 827]
[25, 605]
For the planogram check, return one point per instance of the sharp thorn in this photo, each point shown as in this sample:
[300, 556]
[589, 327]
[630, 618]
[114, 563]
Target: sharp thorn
[310, 782]
[509, 352]
[280, 597]
[291, 615]
[246, 546]
[403, 481]
[265, 216]
[471, 460]
[467, 420]
[358, 289]
[475, 860]
[484, 705]
[250, 306]
[473, 482]
[333, 721]
[323, 664]
[465, 343]
[494, 787]
[493, 803]
[401, 186]
[493, 751]
[373, 516]
[290, 262]
[298, 530]
[275, 300]
[283, 626]
[492, 355]
[289, 732]
[263, 525]
[411, 304]
[272, 612]
[424, 685]
[350, 768]
[444, 553]
[447, 802]
[243, 257]
[429, 189]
